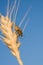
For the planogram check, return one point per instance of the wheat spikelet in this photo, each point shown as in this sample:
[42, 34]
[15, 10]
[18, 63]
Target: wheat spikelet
[10, 37]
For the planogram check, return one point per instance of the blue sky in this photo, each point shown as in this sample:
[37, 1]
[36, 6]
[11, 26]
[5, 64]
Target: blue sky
[32, 42]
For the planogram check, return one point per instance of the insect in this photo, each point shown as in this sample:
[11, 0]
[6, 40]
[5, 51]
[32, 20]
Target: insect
[10, 37]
